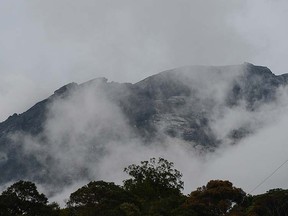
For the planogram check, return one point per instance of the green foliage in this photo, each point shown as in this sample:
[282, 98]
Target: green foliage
[22, 198]
[241, 209]
[153, 179]
[272, 203]
[154, 189]
[216, 198]
[99, 198]
[157, 186]
[130, 209]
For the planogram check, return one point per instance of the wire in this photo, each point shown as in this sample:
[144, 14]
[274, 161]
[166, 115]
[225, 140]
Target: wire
[262, 182]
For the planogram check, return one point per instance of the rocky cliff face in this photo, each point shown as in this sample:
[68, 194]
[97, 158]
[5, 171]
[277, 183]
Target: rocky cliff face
[184, 103]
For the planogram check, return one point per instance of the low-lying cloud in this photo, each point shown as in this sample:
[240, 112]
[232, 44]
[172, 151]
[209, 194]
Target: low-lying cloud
[87, 137]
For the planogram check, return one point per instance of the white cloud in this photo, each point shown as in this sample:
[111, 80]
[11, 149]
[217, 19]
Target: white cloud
[52, 43]
[46, 44]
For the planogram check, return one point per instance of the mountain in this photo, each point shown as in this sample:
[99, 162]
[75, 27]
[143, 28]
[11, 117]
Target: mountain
[189, 104]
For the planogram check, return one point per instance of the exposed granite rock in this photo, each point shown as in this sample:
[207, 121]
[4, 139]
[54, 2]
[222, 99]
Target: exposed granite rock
[180, 103]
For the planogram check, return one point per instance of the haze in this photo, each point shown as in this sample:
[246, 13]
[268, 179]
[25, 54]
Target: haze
[46, 44]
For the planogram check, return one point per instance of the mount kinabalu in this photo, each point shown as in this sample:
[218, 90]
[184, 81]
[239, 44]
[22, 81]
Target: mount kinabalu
[182, 103]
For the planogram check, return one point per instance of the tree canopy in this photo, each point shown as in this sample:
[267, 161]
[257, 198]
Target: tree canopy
[99, 198]
[153, 178]
[153, 189]
[22, 198]
[216, 198]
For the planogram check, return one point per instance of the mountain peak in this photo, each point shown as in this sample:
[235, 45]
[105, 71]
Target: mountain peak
[99, 80]
[183, 103]
[66, 88]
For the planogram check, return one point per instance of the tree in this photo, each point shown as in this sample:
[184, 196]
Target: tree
[272, 203]
[99, 198]
[22, 198]
[153, 179]
[216, 198]
[157, 186]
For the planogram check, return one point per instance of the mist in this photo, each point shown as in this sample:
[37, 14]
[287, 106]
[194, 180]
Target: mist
[48, 44]
[87, 137]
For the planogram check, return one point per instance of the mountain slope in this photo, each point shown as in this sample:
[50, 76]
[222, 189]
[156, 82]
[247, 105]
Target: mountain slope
[188, 104]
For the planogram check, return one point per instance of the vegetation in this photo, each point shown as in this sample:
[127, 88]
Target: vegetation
[22, 198]
[153, 189]
[100, 198]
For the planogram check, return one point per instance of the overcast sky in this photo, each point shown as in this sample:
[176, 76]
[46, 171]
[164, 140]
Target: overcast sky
[46, 44]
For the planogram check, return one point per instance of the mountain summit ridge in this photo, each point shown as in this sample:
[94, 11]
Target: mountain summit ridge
[161, 82]
[186, 104]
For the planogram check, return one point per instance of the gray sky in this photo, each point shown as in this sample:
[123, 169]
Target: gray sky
[46, 44]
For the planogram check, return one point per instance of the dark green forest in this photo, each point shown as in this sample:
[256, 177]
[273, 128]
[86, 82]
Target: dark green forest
[153, 189]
